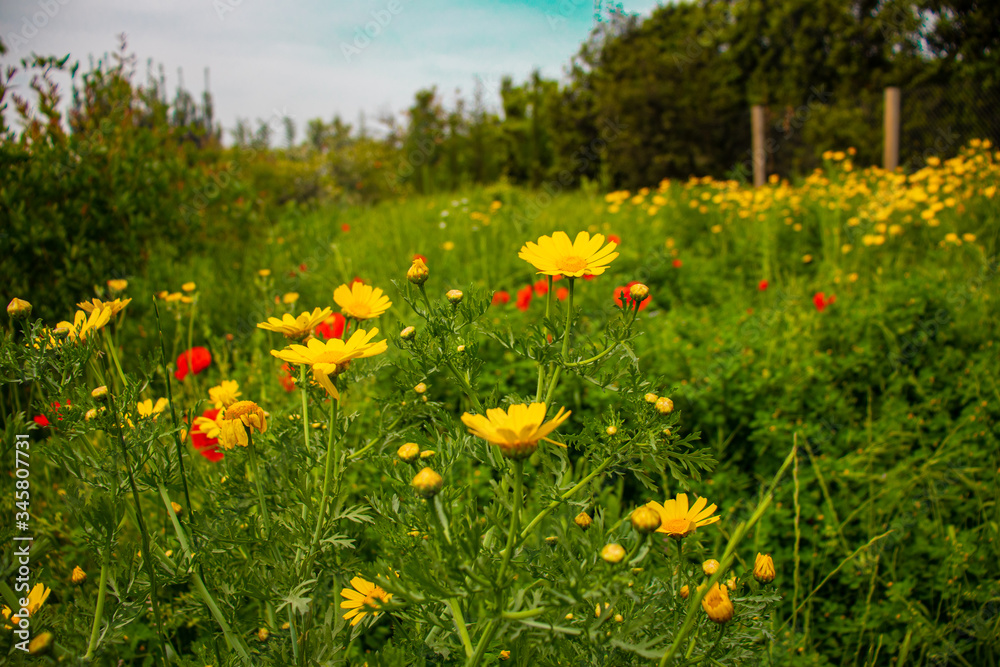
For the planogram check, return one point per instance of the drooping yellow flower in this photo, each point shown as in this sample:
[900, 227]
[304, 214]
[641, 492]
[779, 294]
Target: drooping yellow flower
[116, 306]
[365, 598]
[83, 325]
[296, 328]
[361, 301]
[148, 409]
[332, 356]
[717, 605]
[517, 430]
[224, 395]
[237, 419]
[678, 520]
[557, 255]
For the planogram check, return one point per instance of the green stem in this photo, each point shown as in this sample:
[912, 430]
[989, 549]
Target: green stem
[147, 554]
[375, 440]
[101, 592]
[484, 642]
[181, 536]
[260, 485]
[173, 412]
[332, 454]
[555, 503]
[569, 321]
[527, 613]
[235, 643]
[463, 632]
[514, 519]
[109, 344]
[294, 635]
[303, 390]
[466, 387]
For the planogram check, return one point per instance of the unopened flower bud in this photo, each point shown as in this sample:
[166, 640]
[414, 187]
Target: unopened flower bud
[99, 393]
[763, 569]
[664, 405]
[685, 591]
[645, 519]
[18, 309]
[408, 333]
[651, 397]
[41, 644]
[454, 296]
[78, 576]
[409, 452]
[427, 483]
[420, 388]
[613, 553]
[176, 507]
[427, 453]
[710, 567]
[583, 520]
[418, 272]
[638, 292]
[552, 540]
[263, 634]
[611, 430]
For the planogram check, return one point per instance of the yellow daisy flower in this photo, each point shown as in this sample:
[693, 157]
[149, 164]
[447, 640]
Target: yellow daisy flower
[517, 430]
[296, 328]
[116, 306]
[361, 301]
[117, 285]
[678, 520]
[237, 419]
[83, 325]
[148, 409]
[332, 356]
[225, 394]
[36, 598]
[557, 255]
[364, 599]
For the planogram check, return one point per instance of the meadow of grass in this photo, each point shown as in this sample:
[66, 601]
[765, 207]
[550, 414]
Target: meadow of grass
[837, 335]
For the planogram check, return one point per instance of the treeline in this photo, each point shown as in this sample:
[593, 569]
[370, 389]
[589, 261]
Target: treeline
[674, 91]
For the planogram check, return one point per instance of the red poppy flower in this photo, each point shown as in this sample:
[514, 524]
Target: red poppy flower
[501, 297]
[357, 280]
[559, 276]
[332, 327]
[303, 267]
[821, 302]
[206, 446]
[286, 379]
[613, 238]
[623, 297]
[345, 228]
[41, 420]
[678, 263]
[762, 285]
[562, 293]
[589, 277]
[421, 258]
[292, 274]
[542, 287]
[524, 297]
[199, 358]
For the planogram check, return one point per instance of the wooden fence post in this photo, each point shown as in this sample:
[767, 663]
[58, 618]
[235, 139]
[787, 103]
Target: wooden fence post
[890, 154]
[759, 154]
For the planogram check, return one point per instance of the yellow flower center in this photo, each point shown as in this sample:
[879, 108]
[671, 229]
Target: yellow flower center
[372, 600]
[240, 408]
[679, 526]
[360, 311]
[572, 264]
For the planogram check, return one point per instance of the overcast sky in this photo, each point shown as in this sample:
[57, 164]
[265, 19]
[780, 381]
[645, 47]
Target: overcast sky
[310, 58]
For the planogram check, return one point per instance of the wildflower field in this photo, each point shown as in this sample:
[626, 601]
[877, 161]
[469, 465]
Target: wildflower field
[694, 424]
